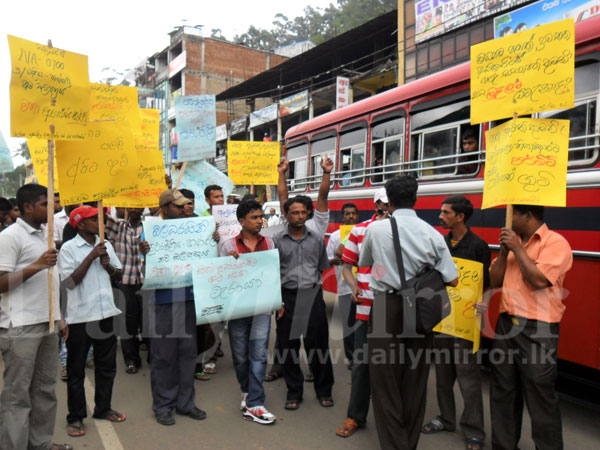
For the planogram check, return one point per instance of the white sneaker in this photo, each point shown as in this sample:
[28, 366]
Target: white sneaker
[243, 404]
[259, 414]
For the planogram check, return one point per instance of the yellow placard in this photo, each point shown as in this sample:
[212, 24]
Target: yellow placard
[103, 166]
[115, 103]
[48, 86]
[344, 232]
[463, 321]
[253, 162]
[524, 73]
[147, 138]
[526, 163]
[150, 183]
[38, 149]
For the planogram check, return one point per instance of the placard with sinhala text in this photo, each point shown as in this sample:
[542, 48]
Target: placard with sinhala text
[150, 182]
[526, 163]
[38, 149]
[196, 127]
[251, 162]
[48, 86]
[463, 321]
[524, 73]
[103, 166]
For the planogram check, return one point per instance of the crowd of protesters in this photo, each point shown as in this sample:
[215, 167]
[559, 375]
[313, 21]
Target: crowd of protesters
[100, 301]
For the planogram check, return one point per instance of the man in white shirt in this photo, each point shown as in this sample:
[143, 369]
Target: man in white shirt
[347, 307]
[28, 400]
[86, 268]
[273, 219]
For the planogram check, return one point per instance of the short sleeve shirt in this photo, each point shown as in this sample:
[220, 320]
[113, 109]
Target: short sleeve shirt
[421, 244]
[332, 247]
[552, 255]
[27, 304]
[92, 299]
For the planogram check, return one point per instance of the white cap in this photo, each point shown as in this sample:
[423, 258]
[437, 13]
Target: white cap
[381, 196]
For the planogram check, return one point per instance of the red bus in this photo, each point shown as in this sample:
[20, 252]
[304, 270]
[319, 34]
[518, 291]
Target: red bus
[417, 128]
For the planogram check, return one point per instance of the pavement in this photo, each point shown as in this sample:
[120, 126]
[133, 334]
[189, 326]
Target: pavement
[310, 427]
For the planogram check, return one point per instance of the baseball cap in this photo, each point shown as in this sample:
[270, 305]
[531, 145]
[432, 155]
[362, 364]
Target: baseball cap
[80, 213]
[381, 196]
[173, 196]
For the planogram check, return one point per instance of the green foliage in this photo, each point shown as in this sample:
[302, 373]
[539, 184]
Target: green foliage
[317, 24]
[12, 181]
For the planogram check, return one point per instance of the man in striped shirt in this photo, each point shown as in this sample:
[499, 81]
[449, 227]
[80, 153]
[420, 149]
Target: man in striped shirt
[360, 393]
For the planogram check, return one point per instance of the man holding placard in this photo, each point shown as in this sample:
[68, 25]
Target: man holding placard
[172, 337]
[249, 336]
[457, 359]
[531, 270]
[28, 414]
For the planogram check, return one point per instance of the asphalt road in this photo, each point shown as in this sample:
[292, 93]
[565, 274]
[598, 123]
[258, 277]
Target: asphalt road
[312, 426]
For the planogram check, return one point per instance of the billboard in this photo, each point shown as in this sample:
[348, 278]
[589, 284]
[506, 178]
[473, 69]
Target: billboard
[543, 12]
[435, 17]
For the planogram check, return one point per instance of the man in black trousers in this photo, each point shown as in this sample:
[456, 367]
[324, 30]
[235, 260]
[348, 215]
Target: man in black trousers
[456, 357]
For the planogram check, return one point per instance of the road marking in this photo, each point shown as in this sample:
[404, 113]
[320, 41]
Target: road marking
[107, 432]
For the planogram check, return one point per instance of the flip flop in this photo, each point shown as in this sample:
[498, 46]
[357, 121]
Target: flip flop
[76, 429]
[272, 376]
[292, 405]
[112, 416]
[435, 426]
[326, 402]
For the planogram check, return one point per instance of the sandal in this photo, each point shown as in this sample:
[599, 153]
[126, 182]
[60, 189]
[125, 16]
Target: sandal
[326, 402]
[435, 426]
[202, 376]
[309, 378]
[474, 444]
[348, 429]
[210, 368]
[131, 369]
[76, 429]
[272, 376]
[112, 416]
[292, 405]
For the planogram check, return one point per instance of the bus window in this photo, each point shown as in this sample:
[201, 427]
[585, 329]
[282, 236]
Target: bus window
[435, 139]
[469, 156]
[352, 157]
[387, 149]
[583, 140]
[320, 147]
[297, 173]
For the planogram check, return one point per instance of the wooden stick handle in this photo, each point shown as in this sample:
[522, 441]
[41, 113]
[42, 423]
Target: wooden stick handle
[180, 176]
[509, 216]
[50, 230]
[101, 221]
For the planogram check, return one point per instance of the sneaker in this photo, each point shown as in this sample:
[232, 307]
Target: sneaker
[243, 404]
[259, 414]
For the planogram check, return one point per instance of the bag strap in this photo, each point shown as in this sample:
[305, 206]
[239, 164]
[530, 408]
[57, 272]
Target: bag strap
[398, 249]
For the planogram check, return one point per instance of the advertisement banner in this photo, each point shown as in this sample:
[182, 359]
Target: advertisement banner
[221, 132]
[342, 92]
[543, 12]
[238, 126]
[264, 115]
[294, 103]
[435, 17]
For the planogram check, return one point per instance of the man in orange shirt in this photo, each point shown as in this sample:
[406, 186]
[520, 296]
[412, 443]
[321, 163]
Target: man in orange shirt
[530, 269]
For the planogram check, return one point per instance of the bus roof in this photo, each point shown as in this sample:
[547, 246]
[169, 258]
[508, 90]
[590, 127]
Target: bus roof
[585, 31]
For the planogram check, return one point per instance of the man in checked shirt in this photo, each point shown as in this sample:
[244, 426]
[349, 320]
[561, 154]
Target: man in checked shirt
[124, 234]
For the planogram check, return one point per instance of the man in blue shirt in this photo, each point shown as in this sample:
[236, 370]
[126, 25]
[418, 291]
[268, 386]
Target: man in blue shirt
[172, 337]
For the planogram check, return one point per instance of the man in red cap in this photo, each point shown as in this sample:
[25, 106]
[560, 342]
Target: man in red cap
[86, 268]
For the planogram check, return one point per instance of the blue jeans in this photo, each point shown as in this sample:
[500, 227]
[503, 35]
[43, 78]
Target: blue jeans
[249, 339]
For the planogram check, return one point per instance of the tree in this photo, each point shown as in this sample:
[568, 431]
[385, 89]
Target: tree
[317, 24]
[12, 181]
[23, 151]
